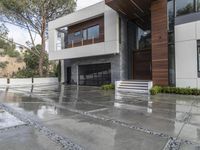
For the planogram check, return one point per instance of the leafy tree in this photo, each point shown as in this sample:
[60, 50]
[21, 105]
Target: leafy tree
[32, 61]
[7, 46]
[34, 15]
[3, 30]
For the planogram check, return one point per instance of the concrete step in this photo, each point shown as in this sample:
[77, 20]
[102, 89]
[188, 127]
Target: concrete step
[138, 85]
[134, 86]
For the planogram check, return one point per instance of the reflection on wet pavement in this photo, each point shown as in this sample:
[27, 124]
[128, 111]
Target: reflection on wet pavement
[90, 116]
[7, 120]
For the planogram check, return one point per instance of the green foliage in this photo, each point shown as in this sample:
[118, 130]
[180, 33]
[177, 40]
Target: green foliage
[8, 47]
[32, 61]
[174, 90]
[3, 30]
[58, 71]
[34, 16]
[155, 90]
[108, 87]
[24, 73]
[3, 64]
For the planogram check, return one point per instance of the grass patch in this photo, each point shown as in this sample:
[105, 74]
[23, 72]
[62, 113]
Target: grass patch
[174, 90]
[108, 87]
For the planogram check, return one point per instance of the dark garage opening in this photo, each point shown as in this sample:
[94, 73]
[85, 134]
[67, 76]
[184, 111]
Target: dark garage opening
[95, 74]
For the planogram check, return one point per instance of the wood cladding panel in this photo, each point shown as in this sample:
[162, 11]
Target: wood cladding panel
[136, 10]
[84, 25]
[159, 32]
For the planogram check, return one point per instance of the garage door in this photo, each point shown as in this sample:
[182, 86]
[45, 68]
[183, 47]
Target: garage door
[95, 74]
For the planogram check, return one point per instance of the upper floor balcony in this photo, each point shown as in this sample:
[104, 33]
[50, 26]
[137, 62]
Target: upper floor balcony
[92, 31]
[87, 33]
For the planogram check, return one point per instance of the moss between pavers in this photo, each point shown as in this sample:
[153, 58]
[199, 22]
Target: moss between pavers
[174, 90]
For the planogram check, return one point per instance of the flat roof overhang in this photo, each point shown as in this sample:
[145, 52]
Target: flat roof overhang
[135, 10]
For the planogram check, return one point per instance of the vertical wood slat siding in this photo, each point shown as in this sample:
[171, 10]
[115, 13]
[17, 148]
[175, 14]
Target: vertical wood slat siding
[159, 31]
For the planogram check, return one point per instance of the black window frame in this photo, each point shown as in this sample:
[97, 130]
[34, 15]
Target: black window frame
[198, 58]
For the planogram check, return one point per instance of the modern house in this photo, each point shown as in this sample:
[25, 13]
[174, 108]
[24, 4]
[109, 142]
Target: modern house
[129, 40]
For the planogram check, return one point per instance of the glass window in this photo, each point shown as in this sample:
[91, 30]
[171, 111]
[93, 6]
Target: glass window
[93, 32]
[184, 7]
[198, 57]
[85, 34]
[77, 36]
[198, 5]
[171, 14]
[95, 74]
[143, 39]
[70, 38]
[172, 72]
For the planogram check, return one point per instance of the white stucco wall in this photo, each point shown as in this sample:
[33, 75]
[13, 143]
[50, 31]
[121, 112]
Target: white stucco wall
[186, 36]
[110, 46]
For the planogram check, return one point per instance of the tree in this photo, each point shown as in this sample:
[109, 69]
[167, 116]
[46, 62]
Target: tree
[3, 30]
[32, 61]
[32, 64]
[8, 47]
[34, 15]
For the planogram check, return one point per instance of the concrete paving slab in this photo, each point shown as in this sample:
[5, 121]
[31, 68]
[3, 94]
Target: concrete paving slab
[41, 111]
[189, 147]
[17, 98]
[195, 110]
[26, 139]
[195, 119]
[191, 133]
[170, 107]
[82, 106]
[145, 120]
[7, 120]
[100, 135]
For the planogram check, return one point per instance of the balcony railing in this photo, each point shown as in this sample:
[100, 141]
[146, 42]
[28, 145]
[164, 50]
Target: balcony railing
[76, 42]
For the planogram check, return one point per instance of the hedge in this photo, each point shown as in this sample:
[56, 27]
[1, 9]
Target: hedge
[174, 90]
[108, 87]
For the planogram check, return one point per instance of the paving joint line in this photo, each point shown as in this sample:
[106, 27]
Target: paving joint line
[64, 142]
[118, 122]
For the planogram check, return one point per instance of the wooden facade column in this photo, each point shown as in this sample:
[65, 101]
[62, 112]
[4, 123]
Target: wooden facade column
[159, 32]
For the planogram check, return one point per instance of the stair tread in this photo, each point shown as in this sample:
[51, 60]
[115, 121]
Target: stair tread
[134, 85]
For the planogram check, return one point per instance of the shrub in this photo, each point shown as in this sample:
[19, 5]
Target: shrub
[24, 73]
[155, 90]
[108, 87]
[174, 90]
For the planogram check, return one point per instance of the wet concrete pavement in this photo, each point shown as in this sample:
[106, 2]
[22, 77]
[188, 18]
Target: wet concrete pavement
[70, 117]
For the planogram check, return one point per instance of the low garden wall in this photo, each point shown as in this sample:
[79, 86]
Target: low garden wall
[28, 81]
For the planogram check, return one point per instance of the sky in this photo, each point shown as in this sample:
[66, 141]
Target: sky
[21, 35]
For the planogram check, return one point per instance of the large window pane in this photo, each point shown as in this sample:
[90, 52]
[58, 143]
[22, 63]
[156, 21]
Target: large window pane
[85, 34]
[93, 32]
[77, 36]
[184, 7]
[96, 74]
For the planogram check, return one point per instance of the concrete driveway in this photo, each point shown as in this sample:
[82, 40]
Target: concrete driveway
[52, 117]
